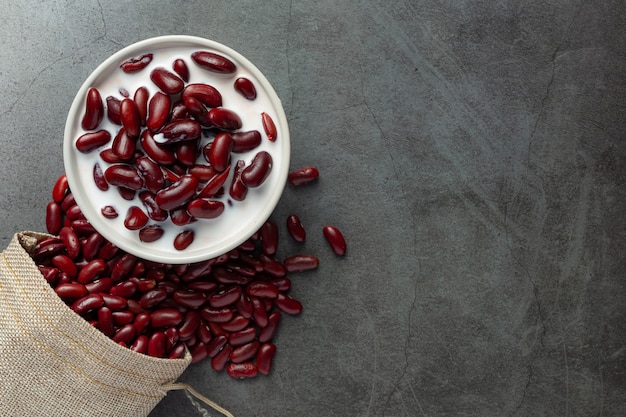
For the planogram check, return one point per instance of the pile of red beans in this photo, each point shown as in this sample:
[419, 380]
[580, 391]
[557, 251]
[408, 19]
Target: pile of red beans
[156, 150]
[226, 310]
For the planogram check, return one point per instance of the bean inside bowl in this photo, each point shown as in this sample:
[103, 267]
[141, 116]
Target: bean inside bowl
[176, 149]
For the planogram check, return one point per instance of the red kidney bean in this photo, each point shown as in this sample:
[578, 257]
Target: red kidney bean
[179, 111]
[135, 218]
[74, 213]
[218, 154]
[236, 324]
[179, 130]
[151, 173]
[203, 333]
[272, 266]
[302, 176]
[189, 298]
[204, 93]
[202, 172]
[219, 361]
[261, 289]
[244, 306]
[187, 152]
[299, 263]
[157, 345]
[245, 87]
[288, 304]
[140, 345]
[165, 317]
[197, 110]
[180, 67]
[144, 284]
[151, 233]
[178, 193]
[213, 62]
[68, 201]
[114, 302]
[48, 247]
[136, 64]
[268, 332]
[335, 239]
[245, 141]
[223, 118]
[65, 264]
[238, 189]
[129, 116]
[269, 127]
[98, 177]
[198, 353]
[259, 313]
[122, 318]
[243, 269]
[91, 271]
[71, 242]
[216, 315]
[50, 274]
[242, 337]
[108, 251]
[242, 370]
[269, 237]
[141, 98]
[126, 193]
[214, 184]
[295, 228]
[82, 227]
[126, 289]
[152, 298]
[203, 208]
[259, 169]
[102, 285]
[172, 338]
[244, 352]
[227, 276]
[125, 176]
[105, 321]
[87, 303]
[91, 245]
[71, 291]
[126, 334]
[181, 217]
[178, 351]
[135, 307]
[183, 239]
[158, 111]
[169, 175]
[89, 141]
[202, 285]
[94, 110]
[113, 110]
[225, 297]
[60, 189]
[189, 325]
[109, 156]
[167, 81]
[123, 145]
[153, 210]
[54, 218]
[265, 357]
[141, 322]
[156, 151]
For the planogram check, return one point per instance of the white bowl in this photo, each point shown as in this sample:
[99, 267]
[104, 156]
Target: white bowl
[241, 219]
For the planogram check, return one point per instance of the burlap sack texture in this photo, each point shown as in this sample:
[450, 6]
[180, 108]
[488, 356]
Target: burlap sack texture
[53, 363]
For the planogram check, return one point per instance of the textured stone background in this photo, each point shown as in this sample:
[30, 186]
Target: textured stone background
[473, 152]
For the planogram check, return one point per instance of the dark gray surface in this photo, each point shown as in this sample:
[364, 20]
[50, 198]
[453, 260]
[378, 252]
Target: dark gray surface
[473, 154]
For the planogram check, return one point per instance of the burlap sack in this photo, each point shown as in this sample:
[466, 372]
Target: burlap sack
[53, 363]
